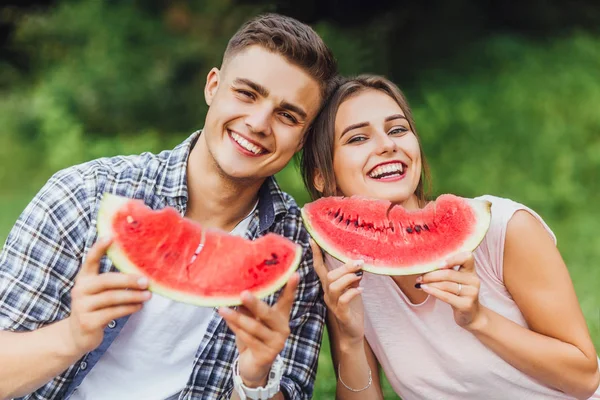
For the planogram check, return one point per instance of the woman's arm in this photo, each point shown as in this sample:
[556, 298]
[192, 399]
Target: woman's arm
[356, 367]
[557, 349]
[354, 364]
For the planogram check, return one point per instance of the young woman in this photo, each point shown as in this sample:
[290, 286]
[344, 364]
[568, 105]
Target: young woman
[502, 322]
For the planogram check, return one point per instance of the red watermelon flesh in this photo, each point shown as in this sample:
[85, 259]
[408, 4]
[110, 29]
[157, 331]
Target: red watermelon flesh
[185, 262]
[392, 240]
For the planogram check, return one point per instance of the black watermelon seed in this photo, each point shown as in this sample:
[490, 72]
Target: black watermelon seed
[271, 262]
[274, 255]
[409, 230]
[425, 227]
[356, 223]
[418, 228]
[347, 222]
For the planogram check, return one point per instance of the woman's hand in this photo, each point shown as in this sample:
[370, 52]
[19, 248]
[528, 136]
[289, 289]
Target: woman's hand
[459, 288]
[342, 295]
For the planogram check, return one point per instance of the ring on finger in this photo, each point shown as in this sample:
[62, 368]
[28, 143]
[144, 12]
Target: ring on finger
[459, 289]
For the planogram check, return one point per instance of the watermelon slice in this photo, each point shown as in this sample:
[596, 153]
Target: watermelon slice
[183, 261]
[392, 240]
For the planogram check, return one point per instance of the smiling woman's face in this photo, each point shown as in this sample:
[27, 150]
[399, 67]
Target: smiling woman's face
[376, 154]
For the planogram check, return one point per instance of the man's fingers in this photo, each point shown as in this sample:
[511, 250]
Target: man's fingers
[91, 265]
[112, 298]
[111, 281]
[103, 317]
[249, 340]
[246, 323]
[286, 299]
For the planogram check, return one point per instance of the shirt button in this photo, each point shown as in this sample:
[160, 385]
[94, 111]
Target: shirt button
[112, 324]
[83, 365]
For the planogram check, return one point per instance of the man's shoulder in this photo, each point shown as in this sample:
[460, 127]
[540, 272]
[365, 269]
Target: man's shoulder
[112, 171]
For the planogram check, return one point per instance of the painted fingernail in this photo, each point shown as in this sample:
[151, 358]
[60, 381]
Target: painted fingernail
[443, 264]
[419, 278]
[424, 286]
[418, 285]
[142, 282]
[147, 294]
[358, 273]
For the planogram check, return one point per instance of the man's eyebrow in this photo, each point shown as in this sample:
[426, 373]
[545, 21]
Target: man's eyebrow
[395, 116]
[260, 89]
[354, 126]
[294, 108]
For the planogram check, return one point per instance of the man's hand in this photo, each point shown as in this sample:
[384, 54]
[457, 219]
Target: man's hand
[99, 298]
[261, 332]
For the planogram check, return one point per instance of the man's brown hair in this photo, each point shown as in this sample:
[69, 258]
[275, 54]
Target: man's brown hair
[292, 39]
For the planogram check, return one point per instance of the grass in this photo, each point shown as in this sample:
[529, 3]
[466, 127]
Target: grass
[577, 240]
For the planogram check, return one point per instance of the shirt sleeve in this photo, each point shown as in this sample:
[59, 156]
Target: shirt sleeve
[307, 320]
[42, 253]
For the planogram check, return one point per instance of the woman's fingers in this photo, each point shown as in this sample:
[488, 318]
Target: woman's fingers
[341, 285]
[350, 267]
[457, 289]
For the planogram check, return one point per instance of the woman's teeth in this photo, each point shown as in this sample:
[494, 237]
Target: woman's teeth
[387, 170]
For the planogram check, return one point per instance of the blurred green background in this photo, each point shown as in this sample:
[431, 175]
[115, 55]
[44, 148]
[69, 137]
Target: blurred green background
[506, 96]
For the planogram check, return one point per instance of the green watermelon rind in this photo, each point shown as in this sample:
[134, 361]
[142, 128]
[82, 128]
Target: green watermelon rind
[109, 206]
[483, 217]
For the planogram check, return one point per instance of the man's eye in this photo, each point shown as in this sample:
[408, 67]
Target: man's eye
[246, 93]
[289, 117]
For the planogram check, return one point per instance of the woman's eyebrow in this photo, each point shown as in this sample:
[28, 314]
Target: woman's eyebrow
[395, 116]
[354, 126]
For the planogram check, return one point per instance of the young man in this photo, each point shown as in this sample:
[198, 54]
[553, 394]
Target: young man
[72, 327]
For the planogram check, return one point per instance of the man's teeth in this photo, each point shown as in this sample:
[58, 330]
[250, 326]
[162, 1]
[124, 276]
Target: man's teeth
[246, 144]
[388, 169]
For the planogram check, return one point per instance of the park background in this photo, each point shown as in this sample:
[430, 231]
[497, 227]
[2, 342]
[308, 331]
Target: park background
[506, 96]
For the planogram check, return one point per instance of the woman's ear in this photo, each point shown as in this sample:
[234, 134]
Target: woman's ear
[319, 181]
[212, 84]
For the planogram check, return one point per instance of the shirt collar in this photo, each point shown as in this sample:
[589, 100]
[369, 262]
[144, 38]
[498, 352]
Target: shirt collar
[172, 183]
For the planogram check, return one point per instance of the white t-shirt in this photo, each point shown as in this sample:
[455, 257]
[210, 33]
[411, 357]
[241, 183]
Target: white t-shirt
[153, 355]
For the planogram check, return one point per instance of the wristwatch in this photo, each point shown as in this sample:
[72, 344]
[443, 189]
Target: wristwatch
[263, 392]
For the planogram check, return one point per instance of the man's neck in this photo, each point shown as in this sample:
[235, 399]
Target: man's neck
[215, 200]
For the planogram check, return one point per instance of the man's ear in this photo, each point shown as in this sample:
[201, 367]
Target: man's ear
[213, 79]
[319, 181]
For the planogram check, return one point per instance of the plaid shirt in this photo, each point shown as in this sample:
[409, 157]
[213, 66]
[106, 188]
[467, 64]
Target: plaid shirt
[45, 248]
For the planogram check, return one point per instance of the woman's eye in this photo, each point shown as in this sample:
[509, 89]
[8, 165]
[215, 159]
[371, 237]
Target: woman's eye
[357, 139]
[399, 130]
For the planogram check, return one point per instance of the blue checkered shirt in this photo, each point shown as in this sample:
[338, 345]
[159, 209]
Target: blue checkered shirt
[45, 249]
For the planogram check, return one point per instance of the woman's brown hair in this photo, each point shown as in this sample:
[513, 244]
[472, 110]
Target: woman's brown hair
[318, 148]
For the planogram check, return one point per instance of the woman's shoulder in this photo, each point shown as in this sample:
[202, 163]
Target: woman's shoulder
[490, 252]
[503, 209]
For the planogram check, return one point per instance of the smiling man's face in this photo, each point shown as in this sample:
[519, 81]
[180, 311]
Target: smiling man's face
[260, 106]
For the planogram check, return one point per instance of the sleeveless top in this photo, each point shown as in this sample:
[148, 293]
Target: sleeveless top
[426, 355]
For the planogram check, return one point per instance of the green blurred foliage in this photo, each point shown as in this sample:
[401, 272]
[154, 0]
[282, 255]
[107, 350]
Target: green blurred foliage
[513, 117]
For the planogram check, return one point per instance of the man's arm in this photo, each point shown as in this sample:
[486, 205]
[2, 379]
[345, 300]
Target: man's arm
[303, 330]
[42, 332]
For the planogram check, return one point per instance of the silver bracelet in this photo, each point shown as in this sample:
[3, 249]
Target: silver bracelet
[348, 387]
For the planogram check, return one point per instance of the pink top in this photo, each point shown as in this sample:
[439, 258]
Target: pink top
[426, 355]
